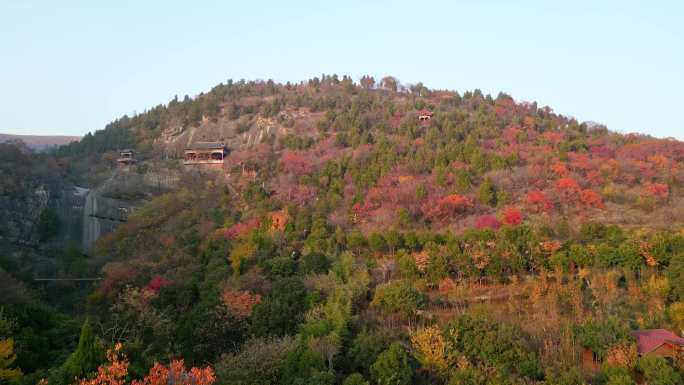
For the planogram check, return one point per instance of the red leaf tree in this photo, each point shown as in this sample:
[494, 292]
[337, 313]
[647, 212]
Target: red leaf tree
[447, 206]
[157, 283]
[297, 163]
[591, 198]
[568, 188]
[658, 190]
[512, 216]
[539, 201]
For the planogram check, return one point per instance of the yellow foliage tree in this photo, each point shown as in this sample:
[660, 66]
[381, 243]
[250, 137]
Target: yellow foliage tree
[239, 254]
[622, 355]
[7, 358]
[432, 350]
[676, 313]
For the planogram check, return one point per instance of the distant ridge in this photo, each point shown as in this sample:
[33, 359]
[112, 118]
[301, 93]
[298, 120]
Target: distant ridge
[40, 142]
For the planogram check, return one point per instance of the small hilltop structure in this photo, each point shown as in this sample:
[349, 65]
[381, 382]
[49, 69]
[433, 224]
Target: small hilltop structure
[424, 115]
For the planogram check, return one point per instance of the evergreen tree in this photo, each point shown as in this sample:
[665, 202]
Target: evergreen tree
[85, 359]
[392, 367]
[487, 193]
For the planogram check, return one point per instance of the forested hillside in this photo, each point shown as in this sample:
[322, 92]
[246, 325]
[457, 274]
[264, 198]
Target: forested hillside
[372, 233]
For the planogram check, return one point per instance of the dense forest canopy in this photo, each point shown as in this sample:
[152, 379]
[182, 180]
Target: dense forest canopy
[495, 242]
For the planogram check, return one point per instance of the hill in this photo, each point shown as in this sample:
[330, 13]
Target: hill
[40, 142]
[366, 231]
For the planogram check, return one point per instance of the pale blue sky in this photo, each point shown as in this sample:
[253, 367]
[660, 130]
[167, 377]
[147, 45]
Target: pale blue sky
[69, 67]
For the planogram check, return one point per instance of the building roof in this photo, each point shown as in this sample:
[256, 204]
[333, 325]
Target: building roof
[425, 112]
[206, 146]
[650, 339]
[126, 150]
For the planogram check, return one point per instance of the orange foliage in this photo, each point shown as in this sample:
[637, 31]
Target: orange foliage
[240, 302]
[659, 160]
[279, 220]
[567, 185]
[592, 199]
[645, 251]
[421, 259]
[529, 122]
[239, 229]
[622, 355]
[550, 246]
[559, 169]
[446, 285]
[447, 206]
[115, 371]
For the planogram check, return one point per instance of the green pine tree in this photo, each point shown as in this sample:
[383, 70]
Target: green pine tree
[487, 193]
[89, 354]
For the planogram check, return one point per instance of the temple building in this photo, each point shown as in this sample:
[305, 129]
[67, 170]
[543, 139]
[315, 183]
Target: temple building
[205, 153]
[126, 157]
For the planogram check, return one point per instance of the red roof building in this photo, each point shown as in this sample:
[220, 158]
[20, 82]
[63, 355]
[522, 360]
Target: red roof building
[205, 153]
[659, 342]
[424, 115]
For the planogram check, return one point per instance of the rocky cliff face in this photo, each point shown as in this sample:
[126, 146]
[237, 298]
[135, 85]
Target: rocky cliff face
[238, 134]
[20, 216]
[109, 205]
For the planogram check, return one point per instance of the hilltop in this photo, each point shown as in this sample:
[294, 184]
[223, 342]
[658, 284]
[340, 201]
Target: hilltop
[364, 145]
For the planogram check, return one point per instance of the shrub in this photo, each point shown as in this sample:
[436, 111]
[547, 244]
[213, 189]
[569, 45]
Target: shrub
[493, 344]
[601, 335]
[657, 371]
[392, 367]
[616, 376]
[355, 379]
[259, 362]
[398, 297]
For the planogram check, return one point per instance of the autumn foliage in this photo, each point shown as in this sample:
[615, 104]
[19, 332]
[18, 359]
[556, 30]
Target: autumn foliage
[591, 198]
[512, 216]
[115, 372]
[539, 201]
[658, 190]
[240, 229]
[567, 186]
[240, 302]
[296, 163]
[447, 206]
[157, 283]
